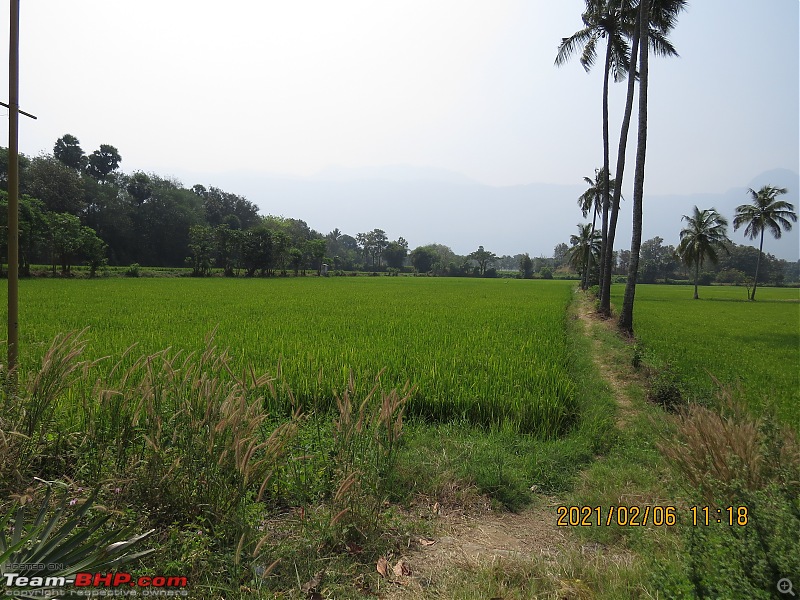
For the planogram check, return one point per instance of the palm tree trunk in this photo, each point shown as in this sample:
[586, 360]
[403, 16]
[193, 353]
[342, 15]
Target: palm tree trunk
[626, 317]
[585, 283]
[604, 231]
[758, 264]
[605, 287]
[696, 275]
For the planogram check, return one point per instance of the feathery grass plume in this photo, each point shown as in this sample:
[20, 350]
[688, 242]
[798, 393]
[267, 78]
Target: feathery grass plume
[721, 452]
[55, 375]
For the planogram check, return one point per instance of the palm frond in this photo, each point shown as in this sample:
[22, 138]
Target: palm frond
[569, 46]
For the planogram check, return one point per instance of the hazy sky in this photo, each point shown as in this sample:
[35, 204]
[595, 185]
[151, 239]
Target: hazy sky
[290, 88]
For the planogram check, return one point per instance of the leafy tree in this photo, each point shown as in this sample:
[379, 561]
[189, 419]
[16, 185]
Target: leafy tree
[525, 266]
[656, 260]
[256, 250]
[201, 246]
[295, 256]
[623, 262]
[162, 224]
[140, 187]
[484, 258]
[745, 258]
[219, 204]
[395, 253]
[55, 184]
[560, 254]
[374, 243]
[24, 163]
[101, 163]
[422, 258]
[704, 234]
[315, 252]
[65, 238]
[765, 212]
[68, 150]
[94, 249]
[228, 245]
[33, 231]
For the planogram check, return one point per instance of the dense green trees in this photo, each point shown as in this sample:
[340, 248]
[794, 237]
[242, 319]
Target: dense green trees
[423, 258]
[484, 258]
[525, 266]
[101, 163]
[147, 219]
[69, 152]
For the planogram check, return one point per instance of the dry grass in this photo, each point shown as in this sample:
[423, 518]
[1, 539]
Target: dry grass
[721, 451]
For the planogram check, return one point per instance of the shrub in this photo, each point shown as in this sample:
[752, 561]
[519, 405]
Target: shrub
[729, 458]
[546, 273]
[133, 270]
[705, 278]
[665, 389]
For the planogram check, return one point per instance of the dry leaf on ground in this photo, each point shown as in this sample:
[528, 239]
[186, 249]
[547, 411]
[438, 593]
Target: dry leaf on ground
[382, 567]
[401, 568]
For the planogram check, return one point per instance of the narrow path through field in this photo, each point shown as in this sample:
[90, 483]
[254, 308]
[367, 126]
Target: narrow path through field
[469, 539]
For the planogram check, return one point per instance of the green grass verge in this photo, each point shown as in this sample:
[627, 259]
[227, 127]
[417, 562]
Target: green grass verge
[751, 345]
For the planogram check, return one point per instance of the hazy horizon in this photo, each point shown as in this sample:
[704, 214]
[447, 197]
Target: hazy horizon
[468, 92]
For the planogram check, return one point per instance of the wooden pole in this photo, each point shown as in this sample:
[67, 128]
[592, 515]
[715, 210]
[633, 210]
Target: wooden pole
[13, 190]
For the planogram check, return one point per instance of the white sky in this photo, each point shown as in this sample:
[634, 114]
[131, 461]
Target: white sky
[285, 87]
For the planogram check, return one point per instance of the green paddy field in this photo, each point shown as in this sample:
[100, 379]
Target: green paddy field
[305, 471]
[489, 351]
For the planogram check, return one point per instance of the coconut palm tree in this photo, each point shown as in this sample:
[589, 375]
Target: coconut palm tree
[609, 20]
[765, 212]
[705, 233]
[591, 201]
[585, 248]
[655, 19]
[662, 20]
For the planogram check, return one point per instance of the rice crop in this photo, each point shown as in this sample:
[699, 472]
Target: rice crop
[486, 351]
[751, 345]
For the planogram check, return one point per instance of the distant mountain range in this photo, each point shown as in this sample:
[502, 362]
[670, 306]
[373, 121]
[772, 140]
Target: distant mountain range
[426, 205]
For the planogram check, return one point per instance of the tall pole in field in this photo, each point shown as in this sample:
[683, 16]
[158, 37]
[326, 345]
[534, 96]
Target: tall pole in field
[13, 189]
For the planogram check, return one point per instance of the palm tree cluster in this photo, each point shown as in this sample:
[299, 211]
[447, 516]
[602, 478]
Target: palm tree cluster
[706, 230]
[630, 29]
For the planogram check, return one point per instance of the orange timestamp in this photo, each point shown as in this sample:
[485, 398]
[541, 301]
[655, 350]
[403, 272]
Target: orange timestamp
[633, 516]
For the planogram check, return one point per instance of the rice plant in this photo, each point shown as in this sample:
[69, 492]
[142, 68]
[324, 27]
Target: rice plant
[487, 351]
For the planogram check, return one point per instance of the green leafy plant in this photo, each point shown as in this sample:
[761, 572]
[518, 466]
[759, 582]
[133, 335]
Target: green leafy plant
[55, 544]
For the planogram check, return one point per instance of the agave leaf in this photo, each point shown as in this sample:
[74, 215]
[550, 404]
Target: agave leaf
[19, 522]
[57, 549]
[7, 553]
[79, 545]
